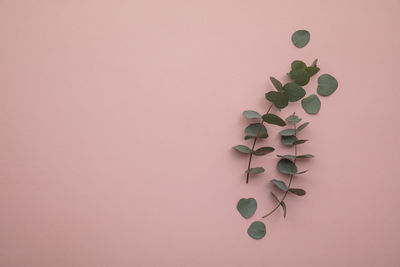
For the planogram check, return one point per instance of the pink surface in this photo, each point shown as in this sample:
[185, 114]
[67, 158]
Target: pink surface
[117, 120]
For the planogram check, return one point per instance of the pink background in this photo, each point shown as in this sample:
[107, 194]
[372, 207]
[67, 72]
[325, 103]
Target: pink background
[117, 120]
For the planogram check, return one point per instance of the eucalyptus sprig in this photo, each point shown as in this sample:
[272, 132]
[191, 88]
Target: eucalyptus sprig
[300, 75]
[287, 164]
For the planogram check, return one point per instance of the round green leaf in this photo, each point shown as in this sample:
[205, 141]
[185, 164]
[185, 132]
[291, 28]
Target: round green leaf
[247, 207]
[273, 119]
[277, 84]
[255, 170]
[294, 92]
[251, 114]
[257, 230]
[298, 65]
[279, 184]
[288, 140]
[242, 149]
[263, 151]
[286, 166]
[327, 84]
[279, 99]
[301, 38]
[297, 191]
[300, 77]
[311, 104]
[287, 132]
[255, 130]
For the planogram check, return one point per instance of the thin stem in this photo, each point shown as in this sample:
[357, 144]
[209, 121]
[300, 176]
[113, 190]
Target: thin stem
[254, 143]
[290, 181]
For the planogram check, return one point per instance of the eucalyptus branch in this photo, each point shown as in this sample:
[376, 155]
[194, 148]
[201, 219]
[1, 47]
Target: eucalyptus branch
[252, 148]
[300, 75]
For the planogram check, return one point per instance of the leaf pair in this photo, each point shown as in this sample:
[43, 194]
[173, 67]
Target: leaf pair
[281, 185]
[258, 152]
[301, 73]
[327, 85]
[247, 207]
[290, 92]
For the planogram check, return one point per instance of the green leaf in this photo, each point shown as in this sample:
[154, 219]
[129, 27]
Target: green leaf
[257, 230]
[302, 172]
[314, 64]
[300, 38]
[287, 132]
[255, 130]
[280, 184]
[301, 127]
[293, 119]
[327, 84]
[294, 92]
[306, 156]
[286, 166]
[298, 65]
[298, 142]
[297, 191]
[292, 157]
[255, 170]
[280, 203]
[288, 140]
[279, 99]
[311, 104]
[277, 84]
[273, 119]
[263, 151]
[242, 149]
[300, 76]
[251, 114]
[247, 207]
[312, 71]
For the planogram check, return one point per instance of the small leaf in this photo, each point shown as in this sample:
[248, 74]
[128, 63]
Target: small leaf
[255, 170]
[263, 151]
[294, 92]
[298, 142]
[300, 38]
[297, 191]
[286, 166]
[242, 149]
[277, 84]
[291, 157]
[312, 71]
[255, 130]
[306, 156]
[301, 127]
[300, 76]
[257, 230]
[314, 64]
[251, 114]
[280, 203]
[298, 65]
[288, 140]
[280, 184]
[302, 172]
[247, 207]
[277, 98]
[287, 132]
[293, 119]
[311, 104]
[273, 119]
[327, 84]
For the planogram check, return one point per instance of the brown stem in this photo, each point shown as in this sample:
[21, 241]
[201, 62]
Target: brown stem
[254, 143]
[290, 181]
